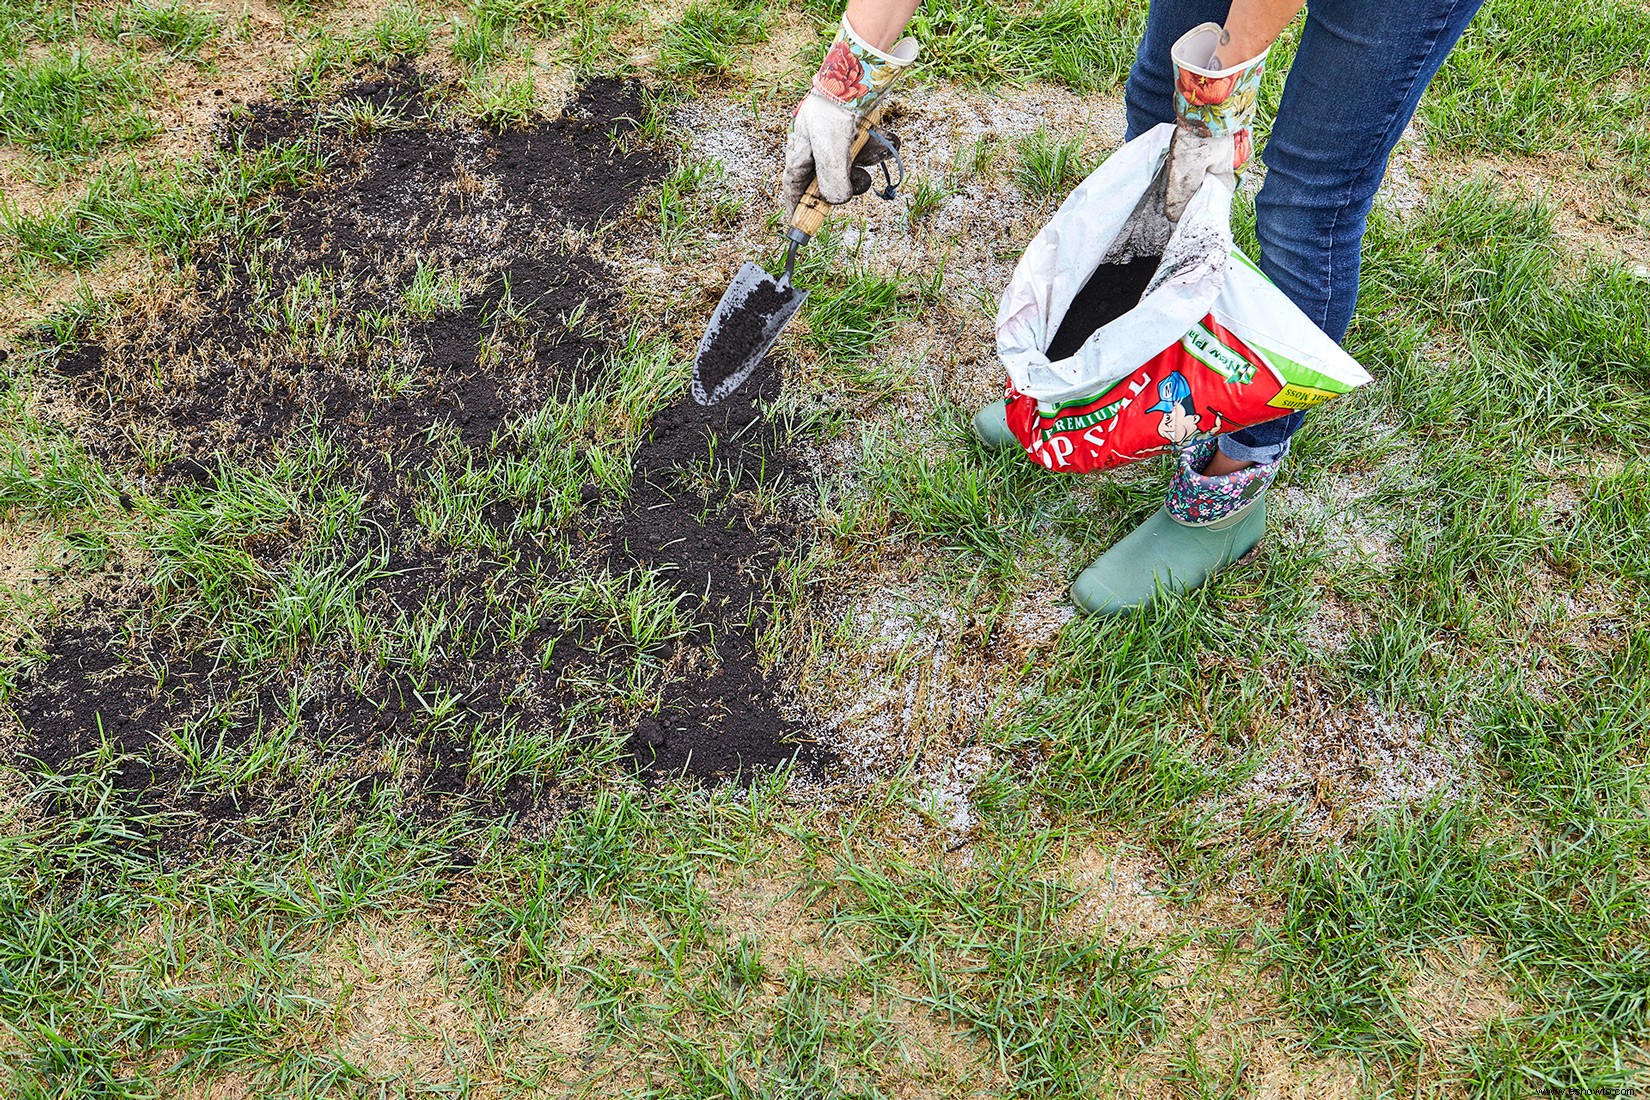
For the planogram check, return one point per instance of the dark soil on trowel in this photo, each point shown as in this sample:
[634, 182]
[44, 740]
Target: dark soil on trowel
[1111, 291]
[184, 395]
[738, 334]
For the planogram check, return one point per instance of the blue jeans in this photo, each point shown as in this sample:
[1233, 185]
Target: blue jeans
[1359, 72]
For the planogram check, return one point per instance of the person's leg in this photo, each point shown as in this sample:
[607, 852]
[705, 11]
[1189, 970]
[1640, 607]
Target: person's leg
[1261, 443]
[1149, 97]
[1353, 87]
[1354, 84]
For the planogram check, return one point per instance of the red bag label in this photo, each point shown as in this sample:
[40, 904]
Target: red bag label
[1208, 383]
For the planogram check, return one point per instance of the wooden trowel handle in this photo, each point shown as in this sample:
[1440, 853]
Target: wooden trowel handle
[810, 212]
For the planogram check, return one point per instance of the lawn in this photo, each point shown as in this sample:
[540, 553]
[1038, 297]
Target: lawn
[409, 691]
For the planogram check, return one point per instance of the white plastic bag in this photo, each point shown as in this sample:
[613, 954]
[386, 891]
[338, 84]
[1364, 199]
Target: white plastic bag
[1212, 346]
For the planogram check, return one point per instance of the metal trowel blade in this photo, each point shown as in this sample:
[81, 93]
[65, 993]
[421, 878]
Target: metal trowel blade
[748, 279]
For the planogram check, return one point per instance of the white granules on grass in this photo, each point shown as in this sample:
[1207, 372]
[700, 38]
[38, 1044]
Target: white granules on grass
[946, 799]
[1401, 189]
[1339, 519]
[907, 672]
[895, 686]
[907, 685]
[1344, 514]
[969, 241]
[1340, 764]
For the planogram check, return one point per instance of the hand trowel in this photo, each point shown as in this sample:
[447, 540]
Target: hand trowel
[757, 305]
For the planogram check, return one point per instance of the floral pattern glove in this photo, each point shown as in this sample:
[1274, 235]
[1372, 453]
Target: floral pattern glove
[852, 78]
[1214, 112]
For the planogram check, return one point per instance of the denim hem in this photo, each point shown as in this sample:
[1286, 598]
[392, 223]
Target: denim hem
[1269, 452]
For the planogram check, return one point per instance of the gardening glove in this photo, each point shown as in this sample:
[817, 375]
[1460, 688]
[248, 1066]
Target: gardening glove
[852, 78]
[1214, 111]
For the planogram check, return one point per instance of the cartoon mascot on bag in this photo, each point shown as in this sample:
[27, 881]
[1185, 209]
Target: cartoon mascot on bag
[1181, 421]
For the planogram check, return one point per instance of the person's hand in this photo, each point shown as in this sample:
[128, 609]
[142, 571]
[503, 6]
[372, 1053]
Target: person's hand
[1214, 112]
[848, 84]
[821, 136]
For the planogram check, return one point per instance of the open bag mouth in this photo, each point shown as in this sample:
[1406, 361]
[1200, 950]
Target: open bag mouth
[1125, 335]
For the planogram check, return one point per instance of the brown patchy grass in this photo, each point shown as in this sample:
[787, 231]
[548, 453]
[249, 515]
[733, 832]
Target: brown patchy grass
[397, 1000]
[1223, 1021]
[1601, 206]
[1452, 995]
[399, 1008]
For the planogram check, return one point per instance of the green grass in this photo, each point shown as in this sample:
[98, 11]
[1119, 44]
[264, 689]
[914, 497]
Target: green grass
[1354, 918]
[40, 21]
[850, 308]
[924, 197]
[691, 202]
[710, 38]
[1087, 44]
[45, 476]
[402, 31]
[177, 28]
[1538, 349]
[1576, 92]
[432, 291]
[974, 161]
[502, 101]
[1046, 1003]
[483, 39]
[1048, 167]
[1141, 902]
[69, 104]
[543, 474]
[164, 209]
[1611, 530]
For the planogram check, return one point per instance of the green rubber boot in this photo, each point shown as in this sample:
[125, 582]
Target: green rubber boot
[991, 428]
[1207, 524]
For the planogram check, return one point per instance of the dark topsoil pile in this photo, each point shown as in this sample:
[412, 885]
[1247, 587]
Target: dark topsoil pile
[262, 358]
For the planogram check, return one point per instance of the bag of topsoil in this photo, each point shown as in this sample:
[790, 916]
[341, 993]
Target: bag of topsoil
[1126, 335]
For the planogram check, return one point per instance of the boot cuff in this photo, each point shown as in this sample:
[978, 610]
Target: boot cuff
[1198, 500]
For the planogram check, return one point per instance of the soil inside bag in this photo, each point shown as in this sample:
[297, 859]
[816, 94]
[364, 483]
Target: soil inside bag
[1111, 291]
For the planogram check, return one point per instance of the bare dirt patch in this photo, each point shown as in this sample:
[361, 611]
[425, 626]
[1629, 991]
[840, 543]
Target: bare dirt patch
[402, 1009]
[774, 915]
[1601, 209]
[1225, 1033]
[23, 553]
[306, 345]
[1117, 896]
[1453, 995]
